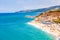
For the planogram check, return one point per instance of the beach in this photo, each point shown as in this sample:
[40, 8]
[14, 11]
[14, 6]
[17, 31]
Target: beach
[44, 28]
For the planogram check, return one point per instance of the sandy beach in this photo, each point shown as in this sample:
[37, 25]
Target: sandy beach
[44, 28]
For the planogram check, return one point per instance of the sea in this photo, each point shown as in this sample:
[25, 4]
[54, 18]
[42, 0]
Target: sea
[13, 26]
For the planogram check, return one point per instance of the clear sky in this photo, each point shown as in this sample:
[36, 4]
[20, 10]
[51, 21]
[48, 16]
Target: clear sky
[16, 5]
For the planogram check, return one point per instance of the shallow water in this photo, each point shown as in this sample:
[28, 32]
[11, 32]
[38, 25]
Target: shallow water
[14, 27]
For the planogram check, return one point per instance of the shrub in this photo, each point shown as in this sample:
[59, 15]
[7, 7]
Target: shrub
[56, 20]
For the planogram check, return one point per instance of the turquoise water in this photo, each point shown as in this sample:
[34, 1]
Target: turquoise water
[14, 27]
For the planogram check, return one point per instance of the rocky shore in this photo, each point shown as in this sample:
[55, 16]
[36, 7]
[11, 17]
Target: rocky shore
[48, 22]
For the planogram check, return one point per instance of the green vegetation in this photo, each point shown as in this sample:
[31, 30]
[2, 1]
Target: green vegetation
[58, 10]
[54, 10]
[56, 20]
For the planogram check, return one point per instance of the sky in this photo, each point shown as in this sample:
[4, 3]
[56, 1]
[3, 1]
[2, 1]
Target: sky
[17, 5]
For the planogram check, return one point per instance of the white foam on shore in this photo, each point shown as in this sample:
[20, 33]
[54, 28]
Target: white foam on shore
[39, 26]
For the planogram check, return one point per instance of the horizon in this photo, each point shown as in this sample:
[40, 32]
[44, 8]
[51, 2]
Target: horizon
[28, 9]
[18, 5]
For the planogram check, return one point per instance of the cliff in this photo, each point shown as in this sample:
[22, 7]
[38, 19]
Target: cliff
[52, 16]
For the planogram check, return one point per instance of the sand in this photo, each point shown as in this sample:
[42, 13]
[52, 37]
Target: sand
[44, 28]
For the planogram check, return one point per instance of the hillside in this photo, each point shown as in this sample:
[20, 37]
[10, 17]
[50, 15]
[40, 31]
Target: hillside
[48, 22]
[51, 15]
[39, 10]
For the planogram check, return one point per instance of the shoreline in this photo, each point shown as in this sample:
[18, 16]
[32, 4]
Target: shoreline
[45, 29]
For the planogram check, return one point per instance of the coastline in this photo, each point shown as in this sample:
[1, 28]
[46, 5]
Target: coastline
[45, 29]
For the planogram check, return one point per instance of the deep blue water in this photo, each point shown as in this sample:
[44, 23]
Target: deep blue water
[13, 27]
